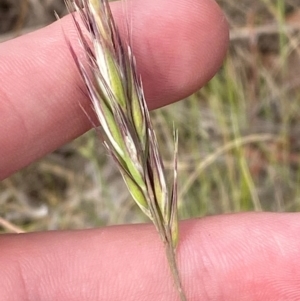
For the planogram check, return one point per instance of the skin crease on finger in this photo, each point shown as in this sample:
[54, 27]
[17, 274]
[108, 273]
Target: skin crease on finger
[179, 45]
[250, 256]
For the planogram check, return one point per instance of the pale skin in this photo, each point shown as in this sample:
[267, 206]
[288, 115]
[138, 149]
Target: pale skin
[179, 46]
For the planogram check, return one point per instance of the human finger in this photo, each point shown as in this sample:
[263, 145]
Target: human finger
[231, 257]
[41, 89]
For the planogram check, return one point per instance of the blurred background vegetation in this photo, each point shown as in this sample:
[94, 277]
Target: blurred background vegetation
[239, 150]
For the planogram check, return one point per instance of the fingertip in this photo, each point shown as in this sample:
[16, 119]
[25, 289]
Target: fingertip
[179, 50]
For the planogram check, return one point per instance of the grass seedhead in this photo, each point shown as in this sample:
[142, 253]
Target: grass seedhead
[116, 94]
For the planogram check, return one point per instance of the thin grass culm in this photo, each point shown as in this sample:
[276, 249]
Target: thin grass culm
[116, 94]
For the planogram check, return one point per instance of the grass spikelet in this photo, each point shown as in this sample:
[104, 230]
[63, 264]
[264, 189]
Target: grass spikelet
[116, 94]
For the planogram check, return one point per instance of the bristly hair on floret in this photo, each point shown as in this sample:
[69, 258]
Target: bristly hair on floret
[116, 94]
